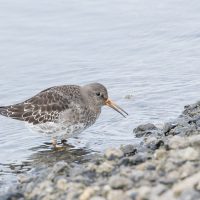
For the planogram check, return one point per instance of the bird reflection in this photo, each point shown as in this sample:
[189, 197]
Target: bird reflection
[45, 155]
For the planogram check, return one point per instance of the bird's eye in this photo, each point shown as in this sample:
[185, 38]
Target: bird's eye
[98, 94]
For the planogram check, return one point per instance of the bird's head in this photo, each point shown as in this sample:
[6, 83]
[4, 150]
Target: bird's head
[98, 94]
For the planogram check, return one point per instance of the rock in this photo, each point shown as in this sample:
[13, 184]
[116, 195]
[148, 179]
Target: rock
[144, 192]
[144, 130]
[167, 127]
[158, 190]
[177, 142]
[129, 150]
[188, 153]
[136, 175]
[118, 182]
[160, 153]
[59, 168]
[194, 140]
[113, 153]
[24, 179]
[132, 194]
[117, 195]
[42, 189]
[154, 143]
[134, 160]
[97, 198]
[62, 184]
[105, 168]
[187, 183]
[87, 194]
[187, 169]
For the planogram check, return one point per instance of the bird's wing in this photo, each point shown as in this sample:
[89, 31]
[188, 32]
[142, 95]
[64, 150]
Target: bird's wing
[43, 107]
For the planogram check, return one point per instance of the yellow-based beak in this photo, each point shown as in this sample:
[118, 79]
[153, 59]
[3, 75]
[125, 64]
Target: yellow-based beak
[111, 104]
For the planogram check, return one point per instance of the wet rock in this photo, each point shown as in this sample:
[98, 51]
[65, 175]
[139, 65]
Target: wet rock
[24, 179]
[118, 182]
[154, 143]
[59, 168]
[113, 153]
[128, 150]
[168, 127]
[144, 130]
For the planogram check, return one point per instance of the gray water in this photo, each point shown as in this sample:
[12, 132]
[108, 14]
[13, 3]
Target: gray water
[149, 50]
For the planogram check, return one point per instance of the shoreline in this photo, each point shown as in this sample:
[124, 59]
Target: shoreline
[164, 165]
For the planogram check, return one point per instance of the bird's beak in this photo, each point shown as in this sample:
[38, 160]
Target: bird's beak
[111, 104]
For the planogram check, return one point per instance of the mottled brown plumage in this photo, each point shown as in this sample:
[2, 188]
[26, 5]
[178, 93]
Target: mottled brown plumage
[62, 110]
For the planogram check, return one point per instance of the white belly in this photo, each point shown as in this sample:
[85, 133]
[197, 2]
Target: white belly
[57, 130]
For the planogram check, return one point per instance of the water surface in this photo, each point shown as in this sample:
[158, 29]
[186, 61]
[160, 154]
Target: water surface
[147, 49]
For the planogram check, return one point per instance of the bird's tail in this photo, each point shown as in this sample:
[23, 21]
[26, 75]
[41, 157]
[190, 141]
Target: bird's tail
[3, 111]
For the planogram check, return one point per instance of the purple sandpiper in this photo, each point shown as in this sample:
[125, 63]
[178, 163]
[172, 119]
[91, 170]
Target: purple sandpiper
[62, 111]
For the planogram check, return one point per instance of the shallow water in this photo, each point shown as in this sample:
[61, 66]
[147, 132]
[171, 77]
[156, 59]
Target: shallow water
[148, 50]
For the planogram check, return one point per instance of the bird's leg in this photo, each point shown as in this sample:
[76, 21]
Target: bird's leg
[55, 145]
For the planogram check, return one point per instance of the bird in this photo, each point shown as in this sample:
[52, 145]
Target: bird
[62, 111]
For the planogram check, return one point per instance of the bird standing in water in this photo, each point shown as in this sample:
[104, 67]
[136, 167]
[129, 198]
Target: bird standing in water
[62, 111]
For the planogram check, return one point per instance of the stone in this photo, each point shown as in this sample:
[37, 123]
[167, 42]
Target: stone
[160, 154]
[87, 194]
[188, 153]
[129, 150]
[154, 143]
[167, 127]
[186, 169]
[144, 130]
[97, 198]
[24, 179]
[136, 175]
[185, 184]
[105, 168]
[59, 168]
[119, 182]
[132, 194]
[113, 153]
[62, 184]
[117, 195]
[178, 142]
[144, 192]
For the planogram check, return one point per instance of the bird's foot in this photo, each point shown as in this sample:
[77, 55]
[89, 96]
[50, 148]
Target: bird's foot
[56, 146]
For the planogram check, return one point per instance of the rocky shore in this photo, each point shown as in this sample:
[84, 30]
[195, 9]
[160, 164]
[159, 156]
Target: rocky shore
[165, 165]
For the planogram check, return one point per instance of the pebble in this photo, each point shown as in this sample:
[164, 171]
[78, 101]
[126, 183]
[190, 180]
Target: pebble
[117, 195]
[62, 184]
[118, 182]
[87, 194]
[113, 153]
[105, 168]
[188, 153]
